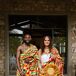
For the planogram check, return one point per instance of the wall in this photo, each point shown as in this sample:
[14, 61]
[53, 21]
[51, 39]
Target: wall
[2, 44]
[37, 7]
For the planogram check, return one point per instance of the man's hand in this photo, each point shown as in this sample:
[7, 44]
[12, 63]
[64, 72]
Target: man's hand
[22, 74]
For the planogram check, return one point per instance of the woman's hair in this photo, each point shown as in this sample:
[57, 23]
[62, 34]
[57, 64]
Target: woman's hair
[42, 46]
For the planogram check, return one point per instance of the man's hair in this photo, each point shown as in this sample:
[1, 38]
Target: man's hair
[27, 31]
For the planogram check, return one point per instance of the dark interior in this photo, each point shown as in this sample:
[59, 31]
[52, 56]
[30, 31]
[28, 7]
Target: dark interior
[40, 25]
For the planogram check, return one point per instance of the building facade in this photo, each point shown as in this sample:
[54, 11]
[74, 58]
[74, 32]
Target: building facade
[37, 7]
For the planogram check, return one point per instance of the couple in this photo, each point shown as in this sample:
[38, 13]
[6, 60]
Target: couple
[33, 62]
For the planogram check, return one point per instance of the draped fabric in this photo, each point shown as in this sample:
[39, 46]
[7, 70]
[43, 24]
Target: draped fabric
[52, 64]
[29, 61]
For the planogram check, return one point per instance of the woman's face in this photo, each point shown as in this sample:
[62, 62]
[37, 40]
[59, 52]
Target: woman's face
[46, 41]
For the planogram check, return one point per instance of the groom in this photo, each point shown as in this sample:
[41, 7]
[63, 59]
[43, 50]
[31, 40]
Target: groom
[27, 57]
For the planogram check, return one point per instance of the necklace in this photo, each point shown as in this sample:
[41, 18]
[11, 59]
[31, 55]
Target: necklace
[46, 50]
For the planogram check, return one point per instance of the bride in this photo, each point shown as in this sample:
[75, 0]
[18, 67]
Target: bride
[51, 64]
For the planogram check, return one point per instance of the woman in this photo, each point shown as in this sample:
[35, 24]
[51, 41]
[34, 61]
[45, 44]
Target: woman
[51, 63]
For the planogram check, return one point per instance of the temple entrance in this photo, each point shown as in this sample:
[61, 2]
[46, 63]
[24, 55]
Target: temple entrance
[39, 25]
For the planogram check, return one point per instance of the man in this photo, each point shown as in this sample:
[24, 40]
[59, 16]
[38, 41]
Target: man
[27, 57]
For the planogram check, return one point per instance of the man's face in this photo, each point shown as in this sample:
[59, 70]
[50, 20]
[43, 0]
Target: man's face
[27, 39]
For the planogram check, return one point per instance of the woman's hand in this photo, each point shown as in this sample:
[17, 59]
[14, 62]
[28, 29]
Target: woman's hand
[51, 59]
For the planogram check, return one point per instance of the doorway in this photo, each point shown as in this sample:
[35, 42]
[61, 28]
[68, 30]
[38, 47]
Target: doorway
[39, 25]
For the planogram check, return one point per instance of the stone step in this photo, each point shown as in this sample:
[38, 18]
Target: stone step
[15, 75]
